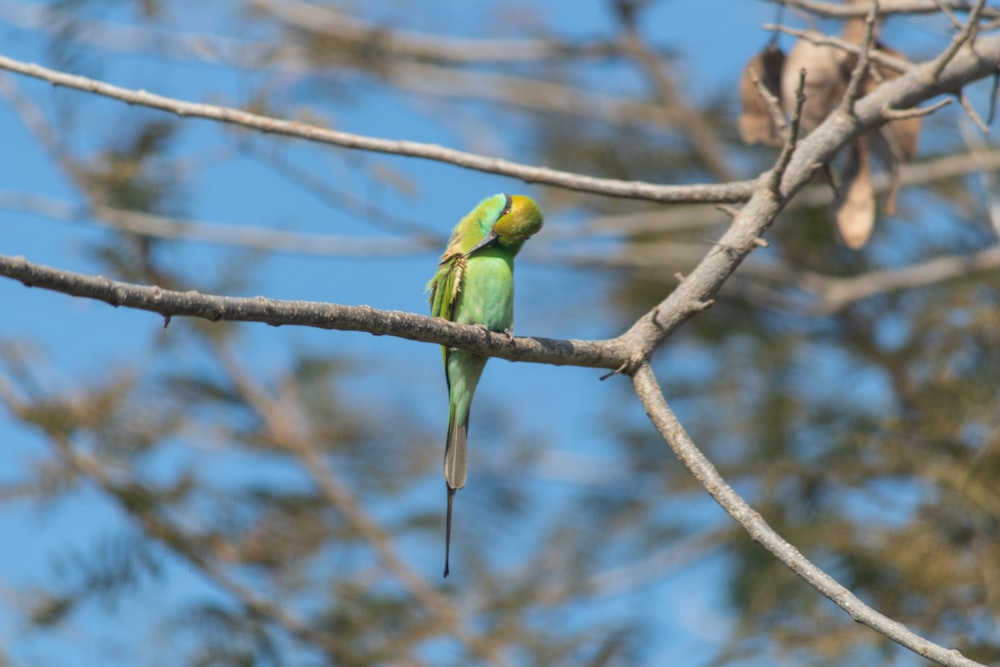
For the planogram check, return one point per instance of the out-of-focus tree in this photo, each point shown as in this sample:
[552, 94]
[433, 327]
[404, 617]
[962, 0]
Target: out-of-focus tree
[292, 496]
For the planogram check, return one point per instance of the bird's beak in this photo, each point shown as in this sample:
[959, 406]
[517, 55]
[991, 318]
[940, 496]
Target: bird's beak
[490, 238]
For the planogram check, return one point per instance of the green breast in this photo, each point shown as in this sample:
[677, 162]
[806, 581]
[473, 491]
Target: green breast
[487, 293]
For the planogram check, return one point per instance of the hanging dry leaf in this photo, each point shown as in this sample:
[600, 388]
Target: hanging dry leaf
[854, 209]
[824, 86]
[895, 143]
[854, 28]
[827, 72]
[756, 123]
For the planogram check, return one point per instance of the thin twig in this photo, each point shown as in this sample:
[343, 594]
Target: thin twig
[198, 231]
[699, 216]
[772, 103]
[946, 10]
[892, 62]
[967, 34]
[972, 113]
[915, 112]
[338, 26]
[836, 293]
[791, 139]
[855, 85]
[851, 10]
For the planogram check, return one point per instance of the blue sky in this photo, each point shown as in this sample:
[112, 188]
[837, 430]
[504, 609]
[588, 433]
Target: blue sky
[76, 340]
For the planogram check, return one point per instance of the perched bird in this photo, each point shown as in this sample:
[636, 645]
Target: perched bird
[474, 284]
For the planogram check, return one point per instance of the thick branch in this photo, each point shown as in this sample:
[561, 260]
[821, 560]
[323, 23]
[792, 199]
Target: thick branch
[818, 148]
[670, 428]
[726, 192]
[168, 303]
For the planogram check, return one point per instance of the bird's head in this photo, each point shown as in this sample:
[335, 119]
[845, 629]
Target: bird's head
[519, 219]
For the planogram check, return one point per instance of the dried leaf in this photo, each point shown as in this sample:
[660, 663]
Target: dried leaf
[895, 143]
[756, 123]
[854, 28]
[824, 86]
[854, 209]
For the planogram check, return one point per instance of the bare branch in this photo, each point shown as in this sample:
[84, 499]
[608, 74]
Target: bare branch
[331, 24]
[972, 113]
[698, 216]
[417, 76]
[245, 236]
[728, 192]
[848, 10]
[814, 151]
[874, 55]
[791, 139]
[966, 36]
[169, 303]
[955, 23]
[687, 451]
[529, 94]
[772, 103]
[855, 84]
[916, 112]
[837, 293]
[345, 200]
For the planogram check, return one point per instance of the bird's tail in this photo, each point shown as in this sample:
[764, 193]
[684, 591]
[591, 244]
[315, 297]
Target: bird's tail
[454, 469]
[456, 451]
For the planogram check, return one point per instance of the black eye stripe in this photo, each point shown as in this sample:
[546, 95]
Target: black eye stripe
[508, 204]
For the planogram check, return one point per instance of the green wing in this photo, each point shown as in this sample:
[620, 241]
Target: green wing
[444, 288]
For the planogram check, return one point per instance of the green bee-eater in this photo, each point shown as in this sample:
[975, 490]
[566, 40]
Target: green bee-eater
[474, 284]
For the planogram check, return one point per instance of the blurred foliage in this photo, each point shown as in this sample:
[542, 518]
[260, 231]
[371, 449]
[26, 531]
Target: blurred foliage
[869, 438]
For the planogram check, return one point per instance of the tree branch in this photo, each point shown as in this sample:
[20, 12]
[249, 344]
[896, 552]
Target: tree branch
[837, 293]
[330, 24]
[726, 192]
[817, 149]
[966, 36]
[858, 76]
[699, 216]
[848, 10]
[687, 451]
[168, 303]
[821, 39]
[196, 231]
[421, 76]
